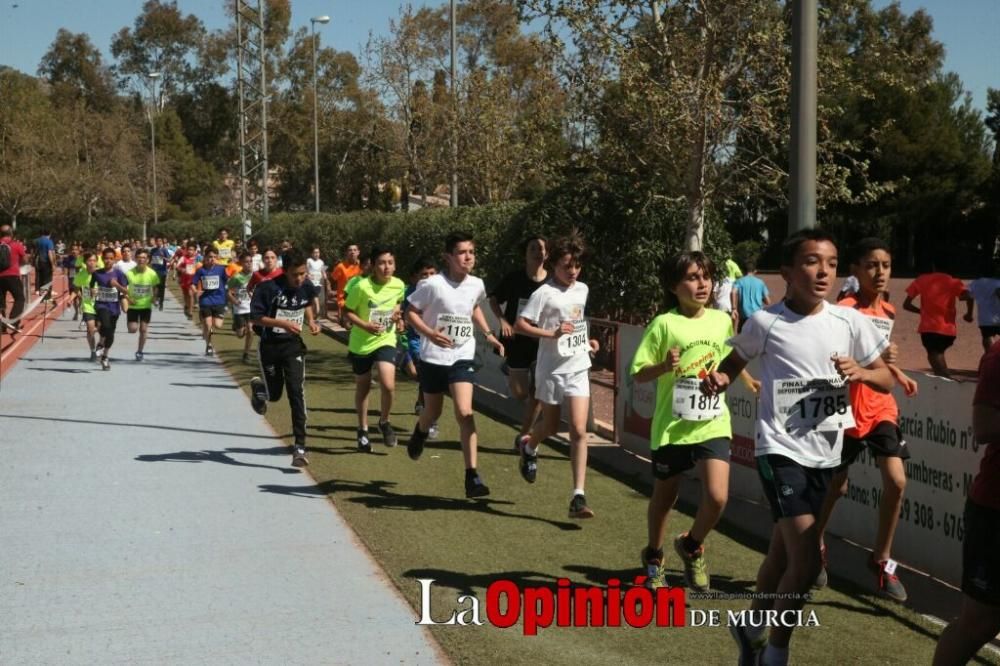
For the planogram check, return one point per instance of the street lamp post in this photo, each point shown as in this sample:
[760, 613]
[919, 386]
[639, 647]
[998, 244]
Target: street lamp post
[313, 21]
[152, 135]
[454, 101]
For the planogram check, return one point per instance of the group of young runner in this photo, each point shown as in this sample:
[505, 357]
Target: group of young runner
[825, 376]
[825, 372]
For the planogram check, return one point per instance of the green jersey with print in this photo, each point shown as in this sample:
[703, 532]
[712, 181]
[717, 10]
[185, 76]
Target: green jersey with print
[238, 283]
[374, 303]
[141, 287]
[82, 282]
[677, 419]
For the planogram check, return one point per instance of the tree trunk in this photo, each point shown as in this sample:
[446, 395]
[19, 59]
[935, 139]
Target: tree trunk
[695, 195]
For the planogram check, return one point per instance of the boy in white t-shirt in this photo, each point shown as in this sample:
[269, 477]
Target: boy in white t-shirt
[445, 309]
[809, 352]
[316, 272]
[555, 314]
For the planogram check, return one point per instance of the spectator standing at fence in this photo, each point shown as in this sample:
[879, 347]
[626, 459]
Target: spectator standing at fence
[979, 619]
[12, 256]
[45, 260]
[749, 294]
[938, 293]
[986, 293]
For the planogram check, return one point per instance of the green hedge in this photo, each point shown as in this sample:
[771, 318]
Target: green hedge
[627, 243]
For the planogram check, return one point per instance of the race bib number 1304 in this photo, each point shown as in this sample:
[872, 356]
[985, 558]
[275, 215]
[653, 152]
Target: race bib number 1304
[577, 342]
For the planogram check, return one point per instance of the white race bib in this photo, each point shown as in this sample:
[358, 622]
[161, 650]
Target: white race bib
[107, 294]
[210, 282]
[577, 342]
[690, 404]
[381, 317]
[225, 252]
[157, 260]
[456, 327]
[294, 316]
[141, 290]
[883, 325]
[819, 403]
[521, 302]
[316, 277]
[243, 296]
[189, 269]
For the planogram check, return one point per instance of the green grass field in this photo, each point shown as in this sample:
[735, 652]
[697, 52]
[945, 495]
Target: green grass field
[414, 519]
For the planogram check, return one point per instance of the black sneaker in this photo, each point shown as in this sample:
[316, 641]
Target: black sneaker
[388, 434]
[246, 358]
[364, 444]
[105, 363]
[138, 356]
[209, 351]
[474, 487]
[98, 351]
[93, 355]
[258, 396]
[529, 465]
[578, 508]
[415, 447]
[299, 457]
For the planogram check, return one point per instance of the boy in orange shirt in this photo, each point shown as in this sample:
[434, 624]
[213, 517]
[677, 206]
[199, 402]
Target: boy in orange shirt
[937, 293]
[876, 418]
[341, 275]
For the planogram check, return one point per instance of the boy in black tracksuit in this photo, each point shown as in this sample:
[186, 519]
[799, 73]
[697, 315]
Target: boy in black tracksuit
[278, 310]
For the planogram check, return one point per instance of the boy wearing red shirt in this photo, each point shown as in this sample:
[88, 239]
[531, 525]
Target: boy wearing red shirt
[937, 293]
[979, 620]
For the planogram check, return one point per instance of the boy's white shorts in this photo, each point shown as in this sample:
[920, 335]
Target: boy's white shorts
[553, 389]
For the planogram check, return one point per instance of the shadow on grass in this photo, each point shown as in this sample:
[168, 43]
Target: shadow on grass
[599, 576]
[377, 495]
[212, 386]
[466, 583]
[216, 457]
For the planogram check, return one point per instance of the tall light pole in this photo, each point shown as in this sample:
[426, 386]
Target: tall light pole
[802, 181]
[454, 124]
[313, 21]
[152, 135]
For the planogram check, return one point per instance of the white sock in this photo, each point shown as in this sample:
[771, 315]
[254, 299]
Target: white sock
[577, 491]
[530, 450]
[775, 656]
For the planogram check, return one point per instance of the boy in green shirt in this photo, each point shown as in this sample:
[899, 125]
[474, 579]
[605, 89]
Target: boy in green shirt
[85, 298]
[142, 283]
[690, 430]
[238, 294]
[372, 307]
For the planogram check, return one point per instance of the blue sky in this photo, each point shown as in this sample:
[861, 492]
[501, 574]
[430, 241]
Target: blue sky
[969, 29]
